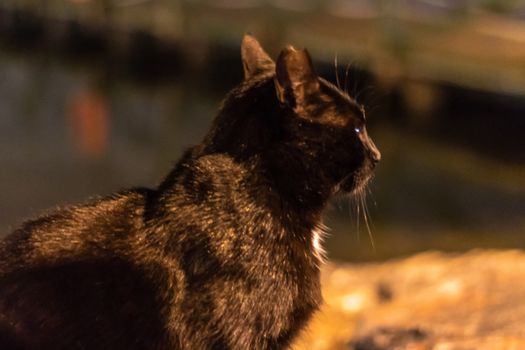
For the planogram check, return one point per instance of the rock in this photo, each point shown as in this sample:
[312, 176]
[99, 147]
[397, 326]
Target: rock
[386, 338]
[431, 301]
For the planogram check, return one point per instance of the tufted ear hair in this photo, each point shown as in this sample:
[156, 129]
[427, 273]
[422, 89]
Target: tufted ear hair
[254, 59]
[295, 78]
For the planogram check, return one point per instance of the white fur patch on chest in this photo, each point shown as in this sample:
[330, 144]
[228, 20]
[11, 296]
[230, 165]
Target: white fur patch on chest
[318, 234]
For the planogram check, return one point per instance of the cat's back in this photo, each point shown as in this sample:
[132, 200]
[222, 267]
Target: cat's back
[74, 270]
[97, 227]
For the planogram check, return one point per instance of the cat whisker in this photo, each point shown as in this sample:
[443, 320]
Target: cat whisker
[371, 194]
[359, 93]
[336, 66]
[348, 65]
[371, 108]
[354, 211]
[351, 203]
[366, 215]
[362, 91]
[355, 94]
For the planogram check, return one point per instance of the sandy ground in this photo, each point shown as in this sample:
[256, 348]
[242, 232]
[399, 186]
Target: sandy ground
[428, 301]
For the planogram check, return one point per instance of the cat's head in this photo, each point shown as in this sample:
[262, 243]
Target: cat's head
[283, 111]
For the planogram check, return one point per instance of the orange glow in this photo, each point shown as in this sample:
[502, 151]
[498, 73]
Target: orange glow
[89, 121]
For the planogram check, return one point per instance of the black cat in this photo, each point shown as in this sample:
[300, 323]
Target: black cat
[224, 254]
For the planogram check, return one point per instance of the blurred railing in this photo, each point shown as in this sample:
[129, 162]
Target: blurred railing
[472, 43]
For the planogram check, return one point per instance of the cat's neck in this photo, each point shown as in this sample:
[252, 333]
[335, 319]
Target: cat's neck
[299, 184]
[287, 187]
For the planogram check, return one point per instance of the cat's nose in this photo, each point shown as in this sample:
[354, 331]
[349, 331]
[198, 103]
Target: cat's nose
[375, 155]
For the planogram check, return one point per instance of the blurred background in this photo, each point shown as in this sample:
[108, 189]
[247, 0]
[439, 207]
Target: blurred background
[99, 95]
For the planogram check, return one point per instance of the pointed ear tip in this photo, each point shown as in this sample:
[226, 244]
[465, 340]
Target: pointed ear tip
[248, 38]
[289, 51]
[286, 52]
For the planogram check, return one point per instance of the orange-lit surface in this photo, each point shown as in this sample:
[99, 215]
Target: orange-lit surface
[428, 301]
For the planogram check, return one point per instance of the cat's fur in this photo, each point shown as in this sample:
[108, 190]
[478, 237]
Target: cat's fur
[222, 255]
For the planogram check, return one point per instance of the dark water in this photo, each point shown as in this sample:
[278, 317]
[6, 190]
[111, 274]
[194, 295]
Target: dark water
[69, 132]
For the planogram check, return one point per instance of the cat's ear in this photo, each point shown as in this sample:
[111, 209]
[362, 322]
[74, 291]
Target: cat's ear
[295, 78]
[254, 59]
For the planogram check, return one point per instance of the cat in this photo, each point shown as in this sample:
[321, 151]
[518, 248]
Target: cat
[224, 254]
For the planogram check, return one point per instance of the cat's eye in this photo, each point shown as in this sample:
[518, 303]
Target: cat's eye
[358, 129]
